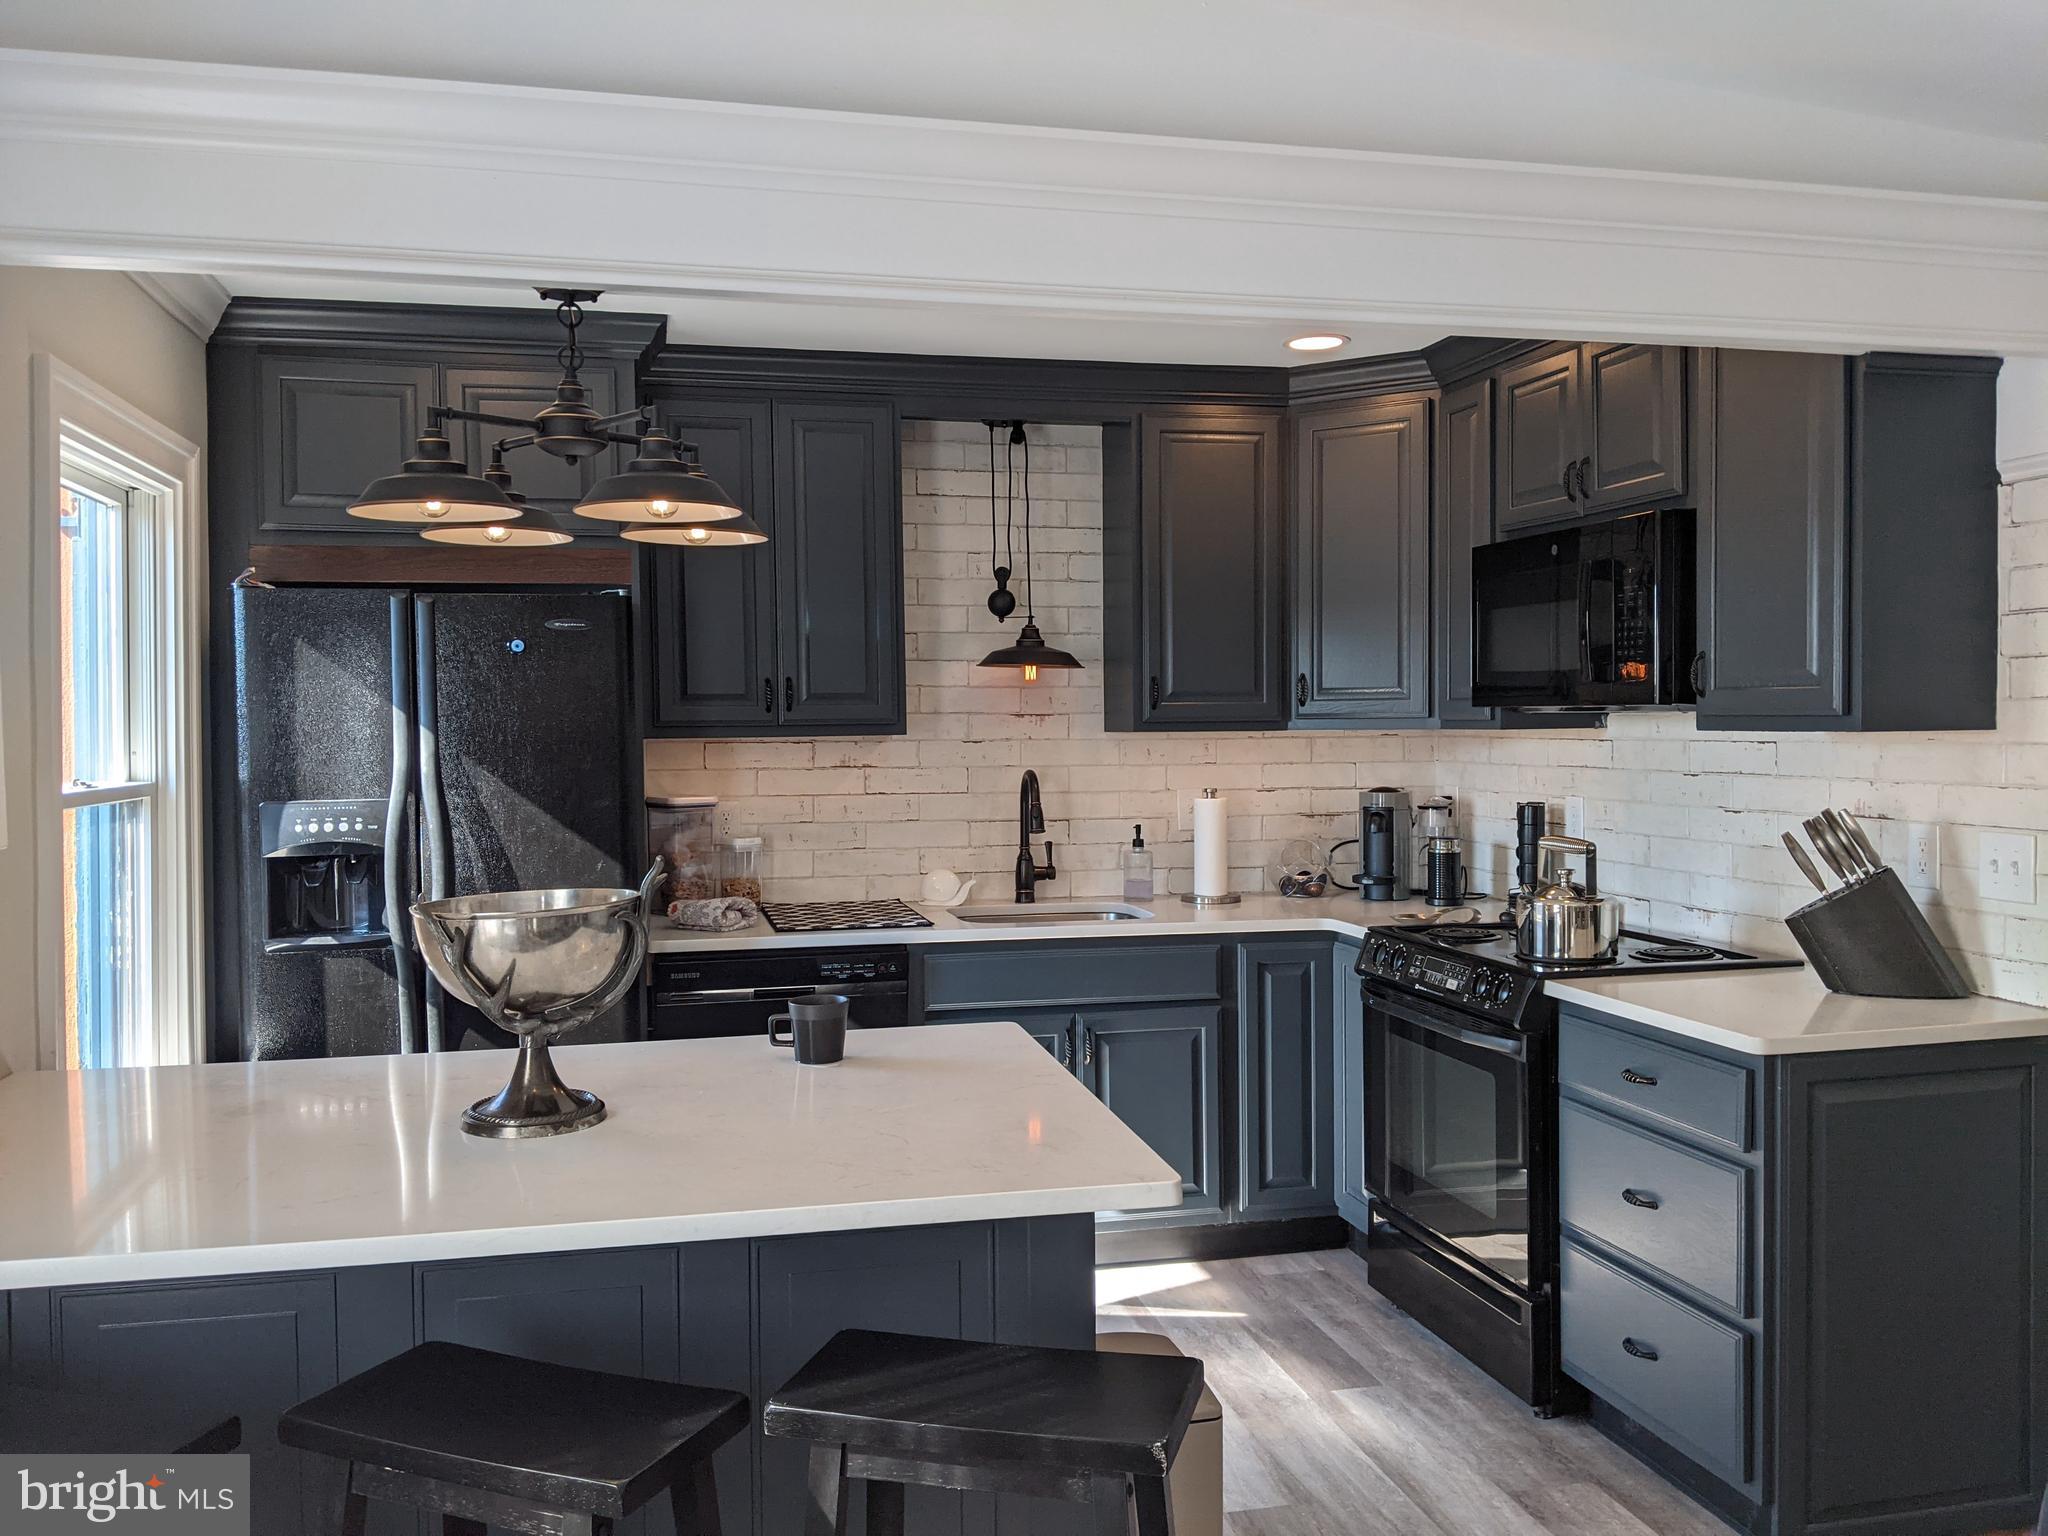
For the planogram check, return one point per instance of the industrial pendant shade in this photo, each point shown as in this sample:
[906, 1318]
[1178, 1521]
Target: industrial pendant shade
[658, 490]
[433, 486]
[1030, 653]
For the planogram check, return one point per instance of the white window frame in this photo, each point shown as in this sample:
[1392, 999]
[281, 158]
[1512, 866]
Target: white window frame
[66, 406]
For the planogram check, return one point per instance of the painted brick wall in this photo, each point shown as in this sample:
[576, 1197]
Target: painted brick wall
[1687, 822]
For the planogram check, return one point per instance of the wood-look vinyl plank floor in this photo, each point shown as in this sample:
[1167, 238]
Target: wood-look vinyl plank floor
[1342, 1417]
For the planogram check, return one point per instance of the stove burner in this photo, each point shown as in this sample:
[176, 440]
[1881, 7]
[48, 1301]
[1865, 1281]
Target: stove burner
[1655, 952]
[1460, 934]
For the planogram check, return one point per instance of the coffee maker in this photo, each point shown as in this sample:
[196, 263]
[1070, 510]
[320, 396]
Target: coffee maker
[1385, 859]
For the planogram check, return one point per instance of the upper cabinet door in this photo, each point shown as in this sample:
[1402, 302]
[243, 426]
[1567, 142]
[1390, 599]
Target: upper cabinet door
[328, 427]
[548, 482]
[1463, 510]
[1361, 562]
[1213, 570]
[1635, 444]
[708, 614]
[838, 553]
[1772, 545]
[1537, 462]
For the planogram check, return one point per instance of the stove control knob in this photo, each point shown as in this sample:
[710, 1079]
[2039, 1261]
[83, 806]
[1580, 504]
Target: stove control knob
[1503, 987]
[1401, 959]
[1379, 955]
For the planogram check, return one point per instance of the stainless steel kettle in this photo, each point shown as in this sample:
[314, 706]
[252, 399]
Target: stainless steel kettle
[1563, 921]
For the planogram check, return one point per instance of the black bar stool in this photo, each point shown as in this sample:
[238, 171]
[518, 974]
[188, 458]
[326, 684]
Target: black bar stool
[490, 1439]
[889, 1409]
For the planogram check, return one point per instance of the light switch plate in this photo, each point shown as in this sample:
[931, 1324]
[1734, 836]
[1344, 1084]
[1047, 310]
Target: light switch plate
[1574, 815]
[1921, 868]
[2005, 866]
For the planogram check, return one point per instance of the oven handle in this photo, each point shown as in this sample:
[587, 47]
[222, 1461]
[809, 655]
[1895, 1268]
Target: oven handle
[1441, 1021]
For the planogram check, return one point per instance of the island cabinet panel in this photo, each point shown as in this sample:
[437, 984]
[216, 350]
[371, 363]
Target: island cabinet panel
[250, 1345]
[1347, 1055]
[1286, 1082]
[1158, 1070]
[1361, 562]
[1194, 563]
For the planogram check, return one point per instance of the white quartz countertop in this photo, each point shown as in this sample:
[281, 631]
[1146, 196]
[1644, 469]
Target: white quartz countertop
[118, 1175]
[1775, 1013]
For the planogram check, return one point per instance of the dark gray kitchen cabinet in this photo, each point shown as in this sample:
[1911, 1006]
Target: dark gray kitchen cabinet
[708, 615]
[1538, 439]
[1347, 1055]
[250, 1346]
[1848, 530]
[1741, 1298]
[1589, 429]
[1286, 1080]
[802, 635]
[1194, 556]
[1361, 548]
[1462, 514]
[328, 426]
[1158, 1070]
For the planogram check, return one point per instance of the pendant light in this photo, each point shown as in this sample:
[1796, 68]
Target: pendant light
[658, 488]
[535, 528]
[1030, 653]
[435, 491]
[433, 486]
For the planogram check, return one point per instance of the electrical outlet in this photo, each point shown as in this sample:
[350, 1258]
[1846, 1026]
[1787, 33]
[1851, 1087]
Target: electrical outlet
[1923, 856]
[1574, 815]
[2005, 866]
[724, 826]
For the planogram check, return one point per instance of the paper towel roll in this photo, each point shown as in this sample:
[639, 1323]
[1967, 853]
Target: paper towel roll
[1212, 846]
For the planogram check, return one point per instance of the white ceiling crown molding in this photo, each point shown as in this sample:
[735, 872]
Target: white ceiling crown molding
[192, 299]
[152, 164]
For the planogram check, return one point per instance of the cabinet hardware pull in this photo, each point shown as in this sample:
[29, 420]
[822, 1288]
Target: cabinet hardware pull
[767, 695]
[1155, 693]
[1066, 1050]
[1301, 688]
[1637, 1078]
[1699, 661]
[789, 693]
[1566, 482]
[1585, 468]
[1640, 1351]
[1087, 1047]
[1640, 1202]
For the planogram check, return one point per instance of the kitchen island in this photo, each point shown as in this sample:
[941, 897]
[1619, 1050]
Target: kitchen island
[237, 1237]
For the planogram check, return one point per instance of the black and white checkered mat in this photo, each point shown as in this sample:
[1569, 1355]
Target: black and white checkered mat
[838, 916]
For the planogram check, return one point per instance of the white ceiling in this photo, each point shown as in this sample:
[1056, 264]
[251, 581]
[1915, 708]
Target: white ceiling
[1910, 96]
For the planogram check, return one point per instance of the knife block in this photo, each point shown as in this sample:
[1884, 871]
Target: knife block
[1869, 940]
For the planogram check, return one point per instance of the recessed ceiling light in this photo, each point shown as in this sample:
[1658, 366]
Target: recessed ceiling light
[1322, 341]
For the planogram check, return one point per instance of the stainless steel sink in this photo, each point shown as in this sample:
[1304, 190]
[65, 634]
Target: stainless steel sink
[1047, 913]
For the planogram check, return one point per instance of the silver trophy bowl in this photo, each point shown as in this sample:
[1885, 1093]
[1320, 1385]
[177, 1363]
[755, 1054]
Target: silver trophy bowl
[536, 963]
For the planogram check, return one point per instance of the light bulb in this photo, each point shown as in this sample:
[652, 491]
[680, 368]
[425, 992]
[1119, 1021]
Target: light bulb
[661, 506]
[1322, 341]
[433, 508]
[497, 535]
[696, 535]
[1030, 671]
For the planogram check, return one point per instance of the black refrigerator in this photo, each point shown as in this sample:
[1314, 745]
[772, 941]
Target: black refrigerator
[392, 744]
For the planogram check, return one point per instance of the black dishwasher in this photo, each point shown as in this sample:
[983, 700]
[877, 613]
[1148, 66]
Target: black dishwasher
[700, 996]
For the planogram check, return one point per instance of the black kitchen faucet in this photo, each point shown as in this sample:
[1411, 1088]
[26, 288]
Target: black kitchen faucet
[1030, 819]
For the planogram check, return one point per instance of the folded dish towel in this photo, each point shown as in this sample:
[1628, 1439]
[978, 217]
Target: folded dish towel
[720, 914]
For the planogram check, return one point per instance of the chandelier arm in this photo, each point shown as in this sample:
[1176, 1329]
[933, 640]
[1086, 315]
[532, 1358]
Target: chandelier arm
[636, 415]
[507, 444]
[440, 413]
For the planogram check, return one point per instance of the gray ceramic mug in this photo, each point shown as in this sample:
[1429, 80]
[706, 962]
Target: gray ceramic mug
[817, 1028]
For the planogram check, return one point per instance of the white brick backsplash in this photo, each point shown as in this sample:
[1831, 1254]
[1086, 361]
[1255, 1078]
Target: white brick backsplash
[1687, 821]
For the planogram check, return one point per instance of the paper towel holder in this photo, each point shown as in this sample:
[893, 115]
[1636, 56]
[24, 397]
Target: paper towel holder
[1227, 899]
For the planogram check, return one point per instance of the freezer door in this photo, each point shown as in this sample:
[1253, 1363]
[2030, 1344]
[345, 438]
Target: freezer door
[529, 751]
[313, 722]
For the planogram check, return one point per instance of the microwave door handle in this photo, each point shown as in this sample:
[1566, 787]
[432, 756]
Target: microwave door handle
[1585, 621]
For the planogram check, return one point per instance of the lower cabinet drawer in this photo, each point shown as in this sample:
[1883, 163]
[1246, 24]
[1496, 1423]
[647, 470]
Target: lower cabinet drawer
[1658, 1082]
[1684, 1375]
[1022, 974]
[1677, 1210]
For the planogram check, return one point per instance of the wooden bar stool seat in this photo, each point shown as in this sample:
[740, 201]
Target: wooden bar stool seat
[491, 1439]
[890, 1409]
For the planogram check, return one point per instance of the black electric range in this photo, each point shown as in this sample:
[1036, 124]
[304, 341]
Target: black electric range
[1460, 1067]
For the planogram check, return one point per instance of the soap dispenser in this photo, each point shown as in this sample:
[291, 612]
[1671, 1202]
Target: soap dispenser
[1137, 867]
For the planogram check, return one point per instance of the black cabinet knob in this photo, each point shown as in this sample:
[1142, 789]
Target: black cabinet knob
[1155, 693]
[1301, 688]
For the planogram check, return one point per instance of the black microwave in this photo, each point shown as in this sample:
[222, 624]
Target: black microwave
[1595, 616]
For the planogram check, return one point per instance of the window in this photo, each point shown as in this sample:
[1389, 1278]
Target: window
[118, 730]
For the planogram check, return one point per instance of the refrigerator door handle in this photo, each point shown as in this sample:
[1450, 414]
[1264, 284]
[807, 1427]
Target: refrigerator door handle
[397, 898]
[433, 808]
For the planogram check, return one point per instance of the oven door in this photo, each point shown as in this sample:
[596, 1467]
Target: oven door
[1447, 1145]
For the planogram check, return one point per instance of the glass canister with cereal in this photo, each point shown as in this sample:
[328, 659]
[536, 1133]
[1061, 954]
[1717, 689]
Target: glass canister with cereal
[740, 865]
[681, 828]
